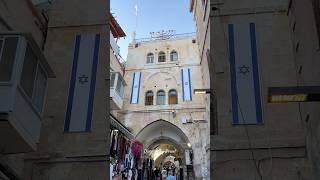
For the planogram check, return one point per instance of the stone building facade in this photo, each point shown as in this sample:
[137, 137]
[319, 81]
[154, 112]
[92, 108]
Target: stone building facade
[201, 17]
[304, 22]
[22, 34]
[117, 83]
[66, 138]
[73, 141]
[251, 51]
[160, 106]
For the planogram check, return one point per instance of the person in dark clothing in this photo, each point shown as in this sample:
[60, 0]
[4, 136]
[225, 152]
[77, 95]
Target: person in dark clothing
[157, 173]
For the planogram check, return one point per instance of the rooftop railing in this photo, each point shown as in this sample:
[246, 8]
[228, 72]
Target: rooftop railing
[161, 38]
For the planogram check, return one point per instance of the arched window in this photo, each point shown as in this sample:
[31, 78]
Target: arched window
[174, 56]
[173, 96]
[161, 97]
[149, 98]
[150, 58]
[161, 57]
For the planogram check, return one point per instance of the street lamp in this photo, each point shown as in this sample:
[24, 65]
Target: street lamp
[294, 94]
[202, 91]
[189, 145]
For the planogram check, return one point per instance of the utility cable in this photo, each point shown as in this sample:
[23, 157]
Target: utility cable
[246, 129]
[249, 141]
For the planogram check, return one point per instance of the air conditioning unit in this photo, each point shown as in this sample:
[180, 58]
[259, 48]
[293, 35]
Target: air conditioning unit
[186, 120]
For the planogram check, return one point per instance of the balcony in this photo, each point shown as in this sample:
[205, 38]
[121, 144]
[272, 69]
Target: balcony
[23, 86]
[116, 90]
[114, 46]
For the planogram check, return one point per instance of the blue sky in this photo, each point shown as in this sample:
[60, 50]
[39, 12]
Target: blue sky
[153, 15]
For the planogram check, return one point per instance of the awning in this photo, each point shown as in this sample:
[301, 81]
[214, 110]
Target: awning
[115, 28]
[118, 125]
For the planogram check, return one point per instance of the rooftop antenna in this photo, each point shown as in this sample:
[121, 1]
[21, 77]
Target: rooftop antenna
[135, 28]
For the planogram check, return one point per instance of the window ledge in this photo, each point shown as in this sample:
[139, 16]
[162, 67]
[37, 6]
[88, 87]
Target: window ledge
[162, 63]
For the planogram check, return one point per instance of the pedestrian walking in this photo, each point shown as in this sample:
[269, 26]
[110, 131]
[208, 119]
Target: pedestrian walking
[171, 176]
[164, 173]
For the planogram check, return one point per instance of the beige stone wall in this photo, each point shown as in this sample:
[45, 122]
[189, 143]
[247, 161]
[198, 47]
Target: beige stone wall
[78, 13]
[71, 148]
[163, 76]
[303, 31]
[187, 52]
[60, 54]
[201, 13]
[17, 15]
[81, 155]
[61, 155]
[282, 130]
[115, 64]
[285, 164]
[166, 76]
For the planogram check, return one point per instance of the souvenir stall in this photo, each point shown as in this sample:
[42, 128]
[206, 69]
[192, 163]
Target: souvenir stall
[122, 159]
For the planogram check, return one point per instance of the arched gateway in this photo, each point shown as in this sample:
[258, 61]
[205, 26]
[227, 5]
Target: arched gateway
[164, 143]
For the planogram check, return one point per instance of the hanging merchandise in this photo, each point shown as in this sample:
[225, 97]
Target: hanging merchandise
[124, 155]
[122, 159]
[137, 149]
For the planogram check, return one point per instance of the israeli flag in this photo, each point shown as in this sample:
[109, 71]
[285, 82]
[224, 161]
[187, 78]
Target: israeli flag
[244, 74]
[135, 89]
[186, 84]
[82, 83]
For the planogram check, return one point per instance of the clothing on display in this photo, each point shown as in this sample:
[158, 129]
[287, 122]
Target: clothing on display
[122, 162]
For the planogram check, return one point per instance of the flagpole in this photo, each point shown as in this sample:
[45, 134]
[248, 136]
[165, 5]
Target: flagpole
[136, 24]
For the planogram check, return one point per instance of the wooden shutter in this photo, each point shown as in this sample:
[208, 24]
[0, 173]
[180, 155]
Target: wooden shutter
[173, 99]
[149, 100]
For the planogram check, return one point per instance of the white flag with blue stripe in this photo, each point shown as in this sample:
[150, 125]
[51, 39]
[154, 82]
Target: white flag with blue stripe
[82, 83]
[135, 89]
[244, 74]
[186, 84]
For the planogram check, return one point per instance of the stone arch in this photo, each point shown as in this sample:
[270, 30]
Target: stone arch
[162, 130]
[163, 139]
[149, 77]
[178, 154]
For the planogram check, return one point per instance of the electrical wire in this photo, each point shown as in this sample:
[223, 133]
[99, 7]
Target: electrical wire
[249, 141]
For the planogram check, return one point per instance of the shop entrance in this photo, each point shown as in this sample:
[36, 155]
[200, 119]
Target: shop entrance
[165, 146]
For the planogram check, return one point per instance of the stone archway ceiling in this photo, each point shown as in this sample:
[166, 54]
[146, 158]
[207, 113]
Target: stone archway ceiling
[164, 150]
[162, 130]
[161, 152]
